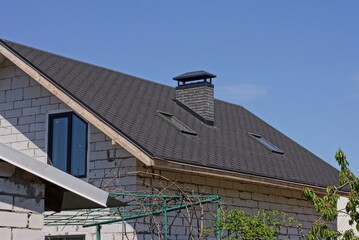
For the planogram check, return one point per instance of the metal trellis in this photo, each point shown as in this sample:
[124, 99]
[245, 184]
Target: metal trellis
[138, 206]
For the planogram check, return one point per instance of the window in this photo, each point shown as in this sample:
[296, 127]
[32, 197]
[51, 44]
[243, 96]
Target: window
[183, 128]
[78, 237]
[266, 143]
[67, 143]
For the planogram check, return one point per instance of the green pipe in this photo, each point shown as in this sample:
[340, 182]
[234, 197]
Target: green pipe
[123, 226]
[98, 232]
[165, 218]
[210, 198]
[218, 218]
[64, 224]
[151, 213]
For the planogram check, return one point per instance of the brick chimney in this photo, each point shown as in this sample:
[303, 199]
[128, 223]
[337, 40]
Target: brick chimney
[194, 92]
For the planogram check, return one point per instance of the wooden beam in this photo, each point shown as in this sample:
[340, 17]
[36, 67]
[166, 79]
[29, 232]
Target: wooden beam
[83, 112]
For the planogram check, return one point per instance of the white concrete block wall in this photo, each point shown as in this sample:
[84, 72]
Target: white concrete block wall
[343, 218]
[235, 194]
[110, 164]
[23, 108]
[21, 204]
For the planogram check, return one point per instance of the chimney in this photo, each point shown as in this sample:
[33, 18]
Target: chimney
[194, 92]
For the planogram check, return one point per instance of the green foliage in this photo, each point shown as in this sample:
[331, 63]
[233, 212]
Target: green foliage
[326, 205]
[235, 224]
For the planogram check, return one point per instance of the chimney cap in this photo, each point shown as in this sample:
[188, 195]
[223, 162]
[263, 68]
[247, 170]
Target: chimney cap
[196, 75]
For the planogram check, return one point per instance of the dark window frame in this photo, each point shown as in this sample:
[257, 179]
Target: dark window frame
[69, 116]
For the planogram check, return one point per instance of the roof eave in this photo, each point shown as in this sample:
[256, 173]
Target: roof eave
[162, 163]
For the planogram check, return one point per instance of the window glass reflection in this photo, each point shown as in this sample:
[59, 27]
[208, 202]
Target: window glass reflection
[78, 146]
[59, 143]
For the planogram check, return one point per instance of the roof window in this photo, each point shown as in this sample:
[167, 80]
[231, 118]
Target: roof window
[266, 143]
[183, 128]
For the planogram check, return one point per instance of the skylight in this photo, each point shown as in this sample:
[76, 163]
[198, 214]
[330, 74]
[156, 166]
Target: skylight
[266, 143]
[183, 128]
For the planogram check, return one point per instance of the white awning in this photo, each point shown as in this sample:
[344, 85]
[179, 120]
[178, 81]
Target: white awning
[62, 191]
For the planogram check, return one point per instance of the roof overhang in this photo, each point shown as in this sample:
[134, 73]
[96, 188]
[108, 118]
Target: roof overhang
[62, 191]
[161, 163]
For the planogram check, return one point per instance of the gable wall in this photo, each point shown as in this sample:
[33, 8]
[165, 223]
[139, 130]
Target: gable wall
[24, 108]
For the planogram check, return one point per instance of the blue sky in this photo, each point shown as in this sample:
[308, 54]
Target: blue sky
[295, 64]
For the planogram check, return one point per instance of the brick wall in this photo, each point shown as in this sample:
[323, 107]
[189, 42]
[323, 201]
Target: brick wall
[23, 108]
[110, 164]
[343, 217]
[235, 194]
[199, 98]
[21, 204]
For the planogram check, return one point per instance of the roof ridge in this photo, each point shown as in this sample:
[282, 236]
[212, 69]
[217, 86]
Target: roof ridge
[229, 103]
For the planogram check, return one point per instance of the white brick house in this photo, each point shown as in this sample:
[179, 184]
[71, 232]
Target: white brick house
[130, 125]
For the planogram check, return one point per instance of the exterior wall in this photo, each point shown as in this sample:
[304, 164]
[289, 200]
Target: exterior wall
[21, 204]
[110, 165]
[23, 108]
[343, 218]
[235, 194]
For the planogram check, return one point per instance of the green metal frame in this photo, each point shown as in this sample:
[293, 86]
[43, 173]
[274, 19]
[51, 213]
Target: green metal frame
[98, 217]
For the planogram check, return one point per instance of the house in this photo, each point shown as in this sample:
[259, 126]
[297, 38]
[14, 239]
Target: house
[110, 129]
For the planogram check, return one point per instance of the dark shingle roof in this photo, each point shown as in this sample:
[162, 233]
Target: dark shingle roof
[129, 104]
